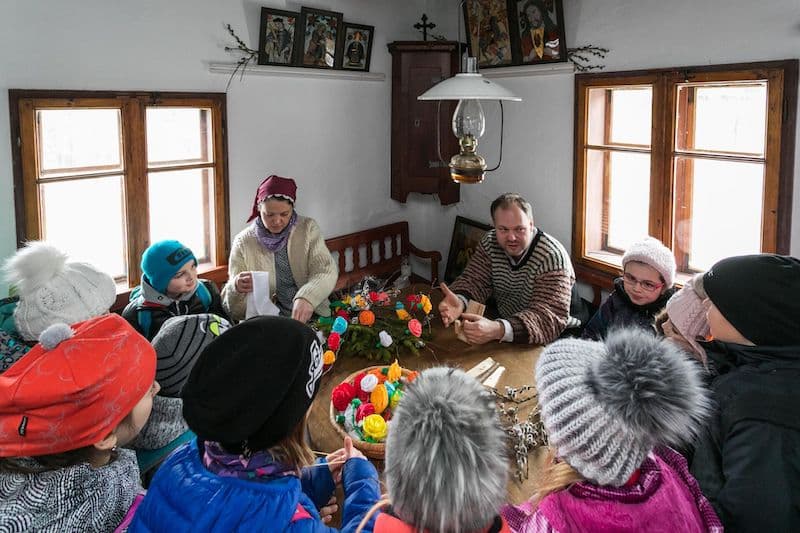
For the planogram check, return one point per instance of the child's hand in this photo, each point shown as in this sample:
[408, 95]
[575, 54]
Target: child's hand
[326, 513]
[243, 283]
[335, 462]
[350, 451]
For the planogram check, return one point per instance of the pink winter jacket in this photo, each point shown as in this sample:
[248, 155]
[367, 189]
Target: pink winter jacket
[665, 498]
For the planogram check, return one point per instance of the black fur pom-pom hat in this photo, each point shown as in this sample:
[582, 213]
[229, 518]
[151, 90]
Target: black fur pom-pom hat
[605, 405]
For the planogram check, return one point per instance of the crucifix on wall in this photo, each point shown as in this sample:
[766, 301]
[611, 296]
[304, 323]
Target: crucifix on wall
[424, 26]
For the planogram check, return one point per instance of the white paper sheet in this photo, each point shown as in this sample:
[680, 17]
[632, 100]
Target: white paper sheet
[259, 302]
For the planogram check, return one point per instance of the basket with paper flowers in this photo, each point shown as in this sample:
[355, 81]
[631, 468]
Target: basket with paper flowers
[362, 405]
[376, 325]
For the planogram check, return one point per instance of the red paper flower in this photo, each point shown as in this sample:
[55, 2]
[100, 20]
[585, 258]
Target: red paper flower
[342, 313]
[342, 395]
[333, 341]
[364, 410]
[414, 326]
[373, 297]
[412, 300]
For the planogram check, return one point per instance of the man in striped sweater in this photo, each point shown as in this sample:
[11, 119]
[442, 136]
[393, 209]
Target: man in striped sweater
[525, 270]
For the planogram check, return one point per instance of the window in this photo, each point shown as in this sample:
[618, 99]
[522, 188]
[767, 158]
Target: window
[102, 175]
[700, 158]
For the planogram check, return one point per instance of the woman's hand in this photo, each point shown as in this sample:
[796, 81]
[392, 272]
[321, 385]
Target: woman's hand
[243, 283]
[326, 513]
[302, 310]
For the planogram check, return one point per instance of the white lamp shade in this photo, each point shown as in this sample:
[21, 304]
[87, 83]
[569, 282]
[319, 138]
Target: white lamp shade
[468, 86]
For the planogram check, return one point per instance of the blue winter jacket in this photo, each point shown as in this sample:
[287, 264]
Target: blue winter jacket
[185, 496]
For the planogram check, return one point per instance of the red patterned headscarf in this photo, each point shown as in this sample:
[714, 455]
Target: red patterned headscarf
[283, 188]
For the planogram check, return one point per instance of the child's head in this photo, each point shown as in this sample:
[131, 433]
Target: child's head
[52, 289]
[78, 393]
[446, 462]
[648, 270]
[605, 405]
[251, 387]
[170, 268]
[178, 345]
[755, 299]
[685, 317]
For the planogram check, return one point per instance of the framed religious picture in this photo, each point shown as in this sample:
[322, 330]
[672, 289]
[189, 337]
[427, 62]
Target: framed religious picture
[320, 36]
[539, 31]
[489, 32]
[356, 46]
[467, 234]
[277, 37]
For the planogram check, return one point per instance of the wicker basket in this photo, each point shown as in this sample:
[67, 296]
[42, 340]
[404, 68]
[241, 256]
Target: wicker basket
[373, 450]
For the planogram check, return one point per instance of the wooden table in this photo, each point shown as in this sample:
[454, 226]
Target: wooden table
[519, 361]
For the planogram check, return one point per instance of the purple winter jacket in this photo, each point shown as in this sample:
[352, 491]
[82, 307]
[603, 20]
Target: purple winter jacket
[665, 498]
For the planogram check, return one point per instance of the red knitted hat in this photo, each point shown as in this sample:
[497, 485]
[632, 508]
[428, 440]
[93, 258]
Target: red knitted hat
[74, 387]
[284, 188]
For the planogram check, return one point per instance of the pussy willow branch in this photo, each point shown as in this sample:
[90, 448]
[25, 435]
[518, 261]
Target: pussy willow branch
[580, 57]
[248, 54]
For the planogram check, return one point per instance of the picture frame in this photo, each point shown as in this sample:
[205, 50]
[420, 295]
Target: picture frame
[319, 42]
[356, 46]
[277, 37]
[538, 35]
[489, 32]
[467, 235]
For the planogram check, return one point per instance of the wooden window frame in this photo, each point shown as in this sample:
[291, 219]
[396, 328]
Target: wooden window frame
[132, 105]
[782, 79]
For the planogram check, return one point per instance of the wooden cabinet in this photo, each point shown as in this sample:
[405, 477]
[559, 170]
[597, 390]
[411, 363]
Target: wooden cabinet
[416, 166]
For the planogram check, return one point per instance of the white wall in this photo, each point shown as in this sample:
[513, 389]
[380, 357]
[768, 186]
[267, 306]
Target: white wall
[538, 152]
[333, 135]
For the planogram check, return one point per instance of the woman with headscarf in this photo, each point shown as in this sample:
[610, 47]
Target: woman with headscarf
[289, 247]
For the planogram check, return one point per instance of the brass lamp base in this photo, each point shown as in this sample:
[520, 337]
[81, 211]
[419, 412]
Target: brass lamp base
[467, 168]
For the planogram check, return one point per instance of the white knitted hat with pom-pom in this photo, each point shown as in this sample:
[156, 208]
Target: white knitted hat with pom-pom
[52, 289]
[605, 405]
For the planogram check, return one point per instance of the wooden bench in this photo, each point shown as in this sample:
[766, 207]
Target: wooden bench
[377, 252]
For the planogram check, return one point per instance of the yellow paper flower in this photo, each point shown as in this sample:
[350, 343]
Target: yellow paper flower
[426, 304]
[395, 372]
[397, 395]
[379, 398]
[346, 300]
[328, 358]
[375, 427]
[402, 314]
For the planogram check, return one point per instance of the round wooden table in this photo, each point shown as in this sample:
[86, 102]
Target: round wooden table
[447, 350]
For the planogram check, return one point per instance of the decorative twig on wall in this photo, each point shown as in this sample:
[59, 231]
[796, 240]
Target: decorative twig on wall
[581, 57]
[248, 55]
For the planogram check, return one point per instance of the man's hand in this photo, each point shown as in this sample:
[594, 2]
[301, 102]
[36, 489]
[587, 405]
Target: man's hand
[451, 306]
[243, 283]
[302, 310]
[480, 330]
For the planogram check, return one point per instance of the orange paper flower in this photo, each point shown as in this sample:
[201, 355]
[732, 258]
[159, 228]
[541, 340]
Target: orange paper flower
[379, 398]
[366, 318]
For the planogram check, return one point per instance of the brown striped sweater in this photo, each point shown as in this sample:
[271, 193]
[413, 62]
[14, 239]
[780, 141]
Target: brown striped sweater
[533, 295]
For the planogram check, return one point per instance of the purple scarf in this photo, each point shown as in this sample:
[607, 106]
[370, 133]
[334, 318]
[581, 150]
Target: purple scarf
[260, 466]
[274, 242]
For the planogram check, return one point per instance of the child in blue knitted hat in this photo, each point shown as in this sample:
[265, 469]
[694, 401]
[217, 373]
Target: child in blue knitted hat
[170, 287]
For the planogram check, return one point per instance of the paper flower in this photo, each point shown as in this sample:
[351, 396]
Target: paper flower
[385, 338]
[415, 327]
[333, 341]
[395, 371]
[402, 314]
[366, 318]
[360, 302]
[378, 374]
[328, 358]
[395, 398]
[427, 306]
[342, 313]
[339, 325]
[342, 395]
[364, 410]
[412, 300]
[375, 427]
[369, 382]
[350, 417]
[373, 297]
[379, 398]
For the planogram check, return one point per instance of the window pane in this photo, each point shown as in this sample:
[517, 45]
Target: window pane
[181, 207]
[617, 199]
[727, 200]
[178, 135]
[727, 118]
[629, 199]
[94, 234]
[631, 114]
[72, 140]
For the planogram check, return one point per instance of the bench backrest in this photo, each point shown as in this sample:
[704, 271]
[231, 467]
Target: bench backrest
[372, 252]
